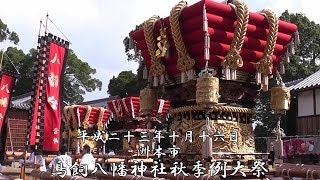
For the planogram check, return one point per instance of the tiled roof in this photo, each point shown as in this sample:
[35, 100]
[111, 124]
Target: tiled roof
[22, 106]
[311, 81]
[291, 84]
[21, 102]
[99, 102]
[27, 95]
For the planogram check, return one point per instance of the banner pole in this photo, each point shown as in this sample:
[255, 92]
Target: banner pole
[1, 59]
[46, 27]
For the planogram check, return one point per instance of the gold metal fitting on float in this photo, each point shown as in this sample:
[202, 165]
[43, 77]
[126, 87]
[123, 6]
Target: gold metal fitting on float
[148, 101]
[280, 99]
[207, 94]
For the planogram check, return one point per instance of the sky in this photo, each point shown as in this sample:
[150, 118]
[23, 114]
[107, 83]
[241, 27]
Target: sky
[96, 28]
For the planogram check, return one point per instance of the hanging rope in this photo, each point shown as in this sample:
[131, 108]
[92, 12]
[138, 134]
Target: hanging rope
[233, 59]
[4, 53]
[184, 62]
[59, 30]
[264, 66]
[157, 68]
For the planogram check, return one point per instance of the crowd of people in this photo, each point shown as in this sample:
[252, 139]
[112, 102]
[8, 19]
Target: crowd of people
[63, 160]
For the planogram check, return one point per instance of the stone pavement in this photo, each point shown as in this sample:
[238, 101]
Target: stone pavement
[9, 172]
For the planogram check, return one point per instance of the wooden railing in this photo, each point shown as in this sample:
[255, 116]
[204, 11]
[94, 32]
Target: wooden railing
[36, 174]
[297, 170]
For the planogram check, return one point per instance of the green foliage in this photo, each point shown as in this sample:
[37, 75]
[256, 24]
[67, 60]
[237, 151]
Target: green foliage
[130, 51]
[305, 61]
[301, 65]
[6, 34]
[77, 78]
[126, 84]
[24, 65]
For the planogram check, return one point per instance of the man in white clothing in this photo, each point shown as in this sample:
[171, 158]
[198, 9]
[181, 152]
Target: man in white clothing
[34, 160]
[87, 158]
[60, 165]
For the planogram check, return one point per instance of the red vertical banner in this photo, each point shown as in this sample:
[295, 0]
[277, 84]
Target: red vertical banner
[38, 76]
[6, 86]
[35, 112]
[47, 101]
[52, 110]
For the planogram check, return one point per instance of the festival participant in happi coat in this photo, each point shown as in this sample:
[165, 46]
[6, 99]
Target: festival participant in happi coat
[34, 159]
[87, 158]
[63, 160]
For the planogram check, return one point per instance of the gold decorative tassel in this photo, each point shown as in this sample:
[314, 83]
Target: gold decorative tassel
[296, 38]
[227, 73]
[287, 57]
[162, 79]
[155, 81]
[265, 83]
[258, 77]
[131, 43]
[183, 77]
[282, 69]
[233, 74]
[150, 79]
[292, 50]
[190, 74]
[145, 72]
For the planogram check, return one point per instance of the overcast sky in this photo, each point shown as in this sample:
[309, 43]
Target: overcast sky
[96, 28]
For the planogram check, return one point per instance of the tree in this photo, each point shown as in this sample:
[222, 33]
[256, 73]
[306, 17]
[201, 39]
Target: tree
[301, 65]
[305, 61]
[77, 78]
[126, 84]
[6, 34]
[130, 51]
